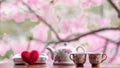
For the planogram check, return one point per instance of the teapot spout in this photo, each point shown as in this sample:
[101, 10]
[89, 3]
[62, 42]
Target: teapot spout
[51, 51]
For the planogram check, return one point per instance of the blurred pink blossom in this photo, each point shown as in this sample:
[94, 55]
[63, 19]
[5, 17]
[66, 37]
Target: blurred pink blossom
[66, 26]
[67, 1]
[19, 17]
[88, 3]
[114, 35]
[80, 22]
[18, 46]
[8, 9]
[33, 17]
[32, 2]
[97, 2]
[46, 7]
[63, 35]
[4, 47]
[37, 46]
[4, 17]
[40, 32]
[93, 42]
[102, 21]
[50, 17]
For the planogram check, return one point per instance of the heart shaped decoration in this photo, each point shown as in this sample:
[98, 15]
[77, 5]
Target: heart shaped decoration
[30, 57]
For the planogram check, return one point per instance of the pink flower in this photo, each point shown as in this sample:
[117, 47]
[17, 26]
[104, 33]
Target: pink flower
[80, 22]
[4, 47]
[93, 42]
[66, 26]
[67, 1]
[19, 17]
[33, 2]
[46, 7]
[18, 46]
[36, 45]
[40, 32]
[102, 21]
[33, 17]
[97, 2]
[87, 3]
[3, 17]
[114, 35]
[51, 18]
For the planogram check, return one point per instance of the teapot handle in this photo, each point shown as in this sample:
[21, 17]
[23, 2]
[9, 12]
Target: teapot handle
[84, 50]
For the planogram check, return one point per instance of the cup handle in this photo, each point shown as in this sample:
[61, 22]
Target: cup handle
[71, 57]
[104, 56]
[84, 50]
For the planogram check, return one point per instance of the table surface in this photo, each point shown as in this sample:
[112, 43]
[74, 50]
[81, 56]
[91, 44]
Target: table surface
[10, 64]
[59, 66]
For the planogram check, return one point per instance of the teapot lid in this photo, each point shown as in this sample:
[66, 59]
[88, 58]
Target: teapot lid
[65, 44]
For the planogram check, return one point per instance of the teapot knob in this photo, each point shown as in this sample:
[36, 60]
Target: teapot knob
[65, 44]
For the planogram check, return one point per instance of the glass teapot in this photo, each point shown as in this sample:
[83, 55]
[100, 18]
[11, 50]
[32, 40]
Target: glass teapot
[61, 54]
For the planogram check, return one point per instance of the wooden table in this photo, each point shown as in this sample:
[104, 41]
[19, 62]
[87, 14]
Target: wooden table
[10, 64]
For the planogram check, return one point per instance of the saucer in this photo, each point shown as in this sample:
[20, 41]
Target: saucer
[63, 63]
[18, 60]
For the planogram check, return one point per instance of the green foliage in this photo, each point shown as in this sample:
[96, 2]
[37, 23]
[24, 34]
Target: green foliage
[8, 54]
[27, 25]
[13, 28]
[91, 26]
[49, 35]
[95, 10]
[1, 58]
[29, 36]
[109, 7]
[8, 27]
[115, 22]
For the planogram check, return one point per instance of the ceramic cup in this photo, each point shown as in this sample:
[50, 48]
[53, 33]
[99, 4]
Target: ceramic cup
[96, 58]
[78, 58]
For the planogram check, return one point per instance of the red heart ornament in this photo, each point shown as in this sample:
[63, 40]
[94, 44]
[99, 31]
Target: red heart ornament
[30, 57]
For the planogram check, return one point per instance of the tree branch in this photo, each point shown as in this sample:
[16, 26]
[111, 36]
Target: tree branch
[105, 46]
[1, 1]
[115, 7]
[43, 20]
[78, 36]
